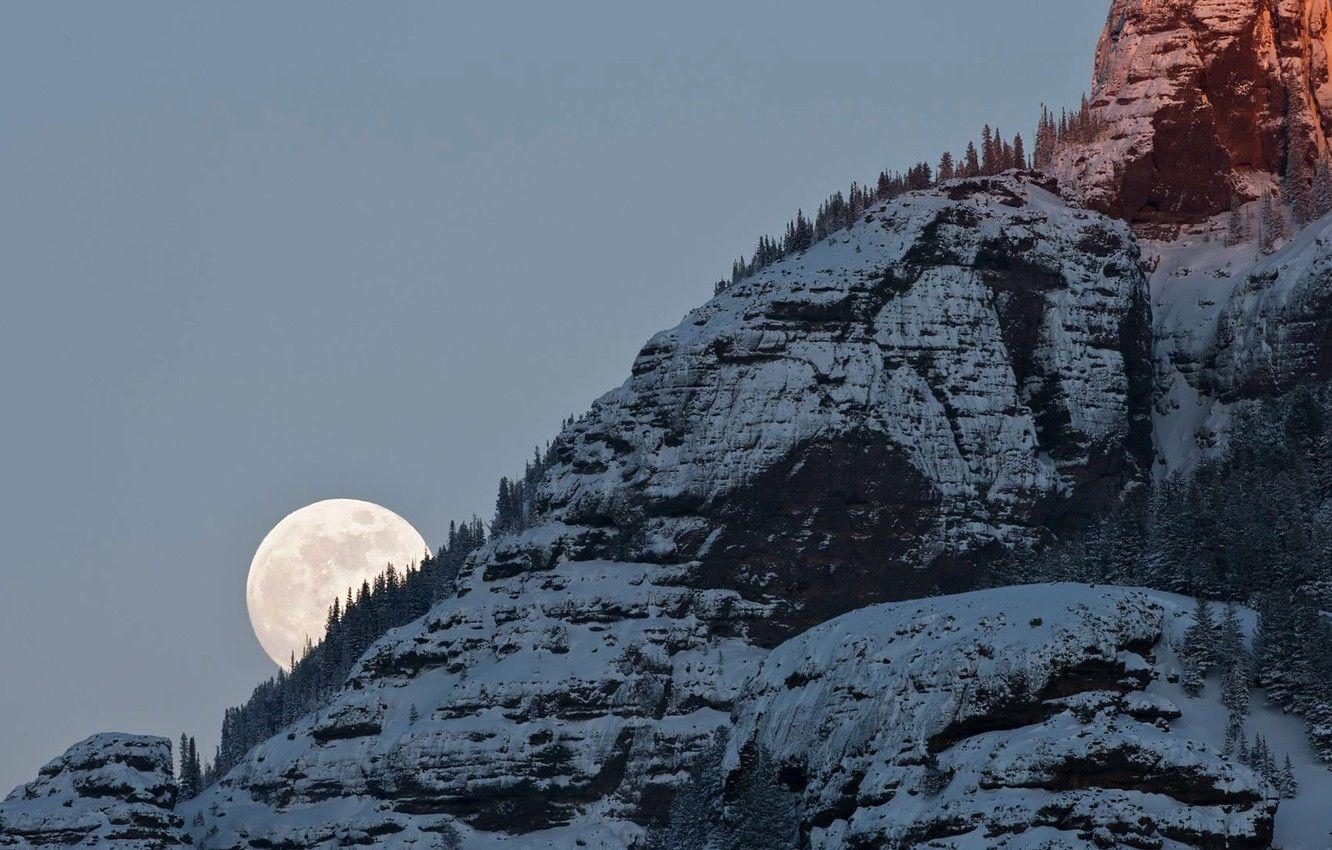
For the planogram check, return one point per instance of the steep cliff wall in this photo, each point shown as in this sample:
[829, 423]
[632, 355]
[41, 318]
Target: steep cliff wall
[1202, 100]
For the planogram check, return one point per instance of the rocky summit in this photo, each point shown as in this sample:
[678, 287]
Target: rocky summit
[1203, 101]
[110, 790]
[863, 421]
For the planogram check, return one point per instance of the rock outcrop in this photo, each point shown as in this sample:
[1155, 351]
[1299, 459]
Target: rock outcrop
[563, 709]
[1029, 717]
[1276, 328]
[1198, 101]
[1232, 325]
[110, 790]
[520, 706]
[863, 421]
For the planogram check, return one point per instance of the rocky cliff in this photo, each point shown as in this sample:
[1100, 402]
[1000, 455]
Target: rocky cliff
[862, 421]
[1030, 717]
[563, 710]
[1201, 100]
[110, 790]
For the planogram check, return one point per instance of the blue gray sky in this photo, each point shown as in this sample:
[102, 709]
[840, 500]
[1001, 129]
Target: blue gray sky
[253, 255]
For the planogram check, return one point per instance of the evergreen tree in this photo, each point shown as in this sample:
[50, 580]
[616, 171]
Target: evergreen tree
[1322, 188]
[971, 166]
[1298, 189]
[1235, 230]
[1286, 783]
[946, 168]
[1192, 677]
[1199, 637]
[1046, 140]
[1235, 691]
[694, 817]
[184, 758]
[1019, 158]
[762, 814]
[1230, 647]
[1273, 226]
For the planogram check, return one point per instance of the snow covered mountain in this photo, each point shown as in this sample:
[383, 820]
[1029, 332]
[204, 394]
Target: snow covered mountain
[956, 369]
[1045, 716]
[711, 603]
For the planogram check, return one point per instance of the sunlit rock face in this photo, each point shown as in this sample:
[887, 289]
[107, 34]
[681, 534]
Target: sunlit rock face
[110, 790]
[866, 420]
[1201, 100]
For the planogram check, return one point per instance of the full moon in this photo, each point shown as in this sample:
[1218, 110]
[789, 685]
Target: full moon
[311, 558]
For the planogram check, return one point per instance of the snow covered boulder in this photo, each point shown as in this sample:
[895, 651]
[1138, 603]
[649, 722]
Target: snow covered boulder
[864, 420]
[1025, 717]
[110, 790]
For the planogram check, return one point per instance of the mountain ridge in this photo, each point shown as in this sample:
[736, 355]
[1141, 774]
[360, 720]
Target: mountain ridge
[967, 370]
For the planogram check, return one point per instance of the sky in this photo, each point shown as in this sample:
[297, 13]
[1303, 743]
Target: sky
[254, 255]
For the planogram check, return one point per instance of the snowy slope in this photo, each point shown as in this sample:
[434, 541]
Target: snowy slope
[1052, 716]
[1050, 710]
[572, 693]
[1231, 324]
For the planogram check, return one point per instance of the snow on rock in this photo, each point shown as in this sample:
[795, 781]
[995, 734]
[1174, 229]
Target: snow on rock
[855, 423]
[1201, 100]
[959, 367]
[1231, 324]
[577, 691]
[1020, 717]
[845, 427]
[110, 790]
[1276, 329]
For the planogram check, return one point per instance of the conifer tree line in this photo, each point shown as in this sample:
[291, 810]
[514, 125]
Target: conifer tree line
[191, 774]
[1302, 196]
[993, 153]
[393, 598]
[1251, 526]
[750, 811]
[516, 502]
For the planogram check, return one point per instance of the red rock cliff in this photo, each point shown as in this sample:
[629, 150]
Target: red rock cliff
[1200, 100]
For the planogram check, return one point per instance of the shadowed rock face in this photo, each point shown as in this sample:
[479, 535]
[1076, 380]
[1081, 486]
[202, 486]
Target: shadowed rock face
[864, 421]
[110, 790]
[1275, 331]
[1202, 100]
